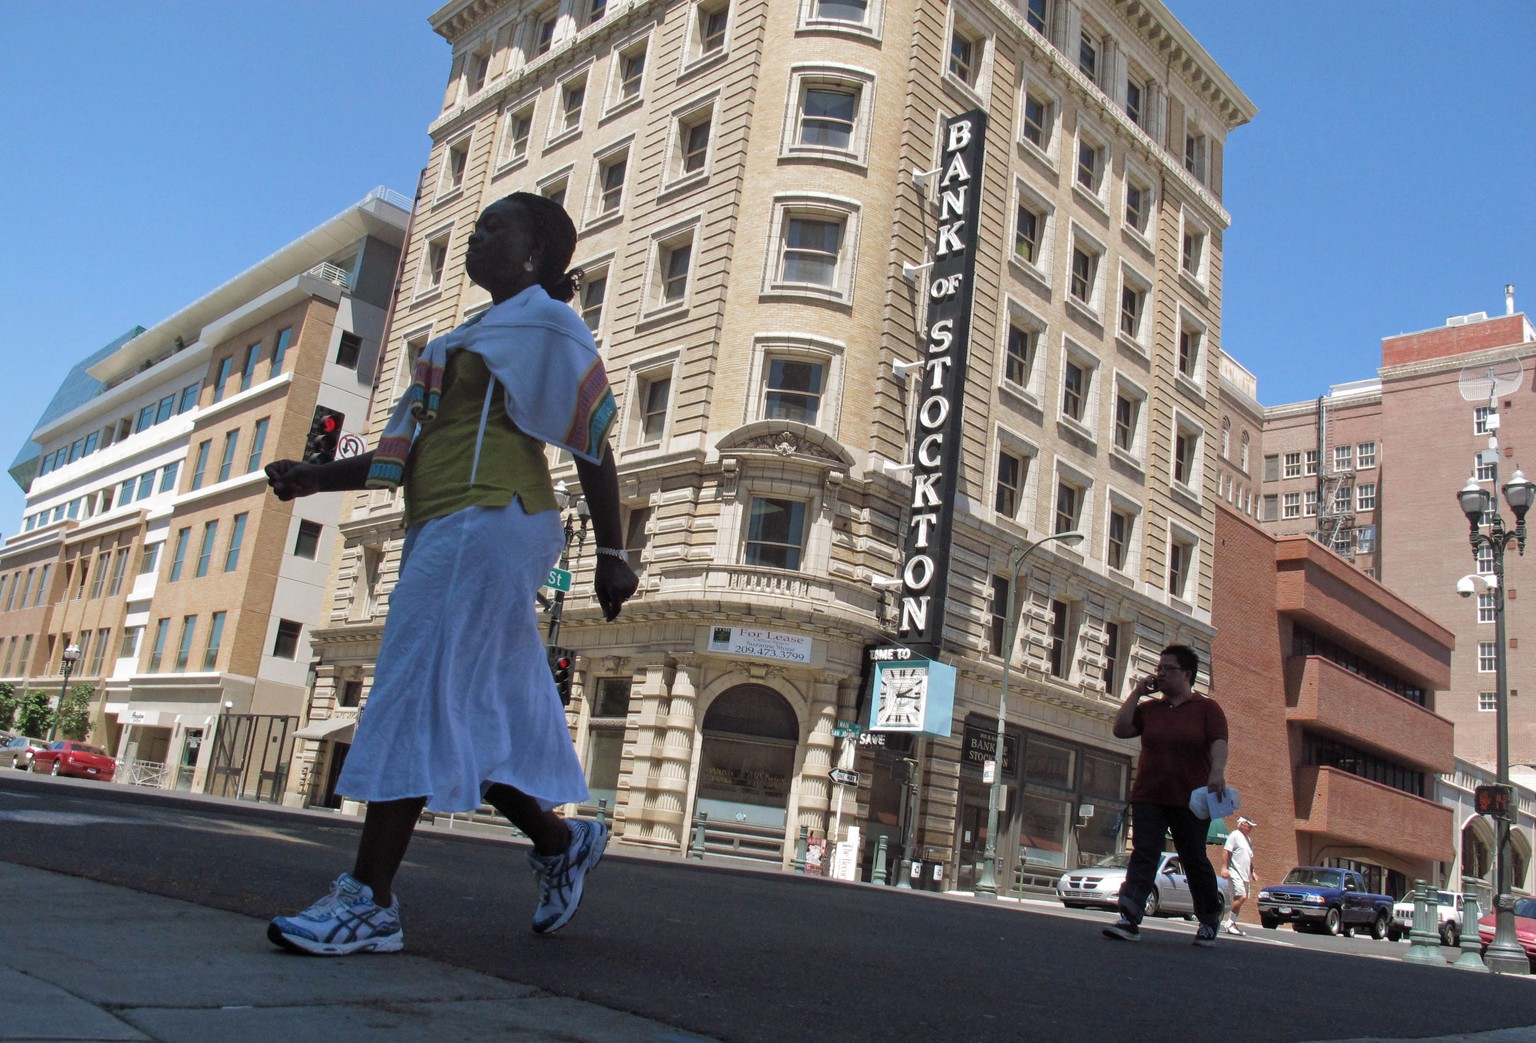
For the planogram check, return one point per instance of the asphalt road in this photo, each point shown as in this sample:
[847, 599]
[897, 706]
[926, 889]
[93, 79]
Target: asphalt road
[753, 956]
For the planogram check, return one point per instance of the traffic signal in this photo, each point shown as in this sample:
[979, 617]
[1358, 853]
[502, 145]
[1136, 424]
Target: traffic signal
[1493, 800]
[561, 662]
[324, 430]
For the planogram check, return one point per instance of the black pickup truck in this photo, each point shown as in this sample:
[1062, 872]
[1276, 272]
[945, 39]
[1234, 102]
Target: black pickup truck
[1325, 900]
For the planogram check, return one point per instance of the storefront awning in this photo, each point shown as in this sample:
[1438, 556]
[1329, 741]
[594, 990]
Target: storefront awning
[1217, 833]
[336, 729]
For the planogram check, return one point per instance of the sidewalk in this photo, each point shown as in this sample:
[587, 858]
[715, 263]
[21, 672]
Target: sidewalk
[81, 960]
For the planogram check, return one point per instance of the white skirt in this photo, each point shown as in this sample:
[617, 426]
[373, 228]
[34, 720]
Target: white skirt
[462, 695]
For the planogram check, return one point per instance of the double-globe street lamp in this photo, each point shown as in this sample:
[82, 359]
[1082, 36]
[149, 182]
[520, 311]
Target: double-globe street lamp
[1504, 954]
[70, 656]
[986, 884]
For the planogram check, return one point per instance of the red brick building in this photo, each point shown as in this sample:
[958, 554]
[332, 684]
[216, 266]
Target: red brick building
[1329, 682]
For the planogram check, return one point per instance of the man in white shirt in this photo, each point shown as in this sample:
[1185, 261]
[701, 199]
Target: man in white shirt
[1237, 868]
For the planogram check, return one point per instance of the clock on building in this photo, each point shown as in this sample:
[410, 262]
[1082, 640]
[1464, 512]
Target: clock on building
[902, 697]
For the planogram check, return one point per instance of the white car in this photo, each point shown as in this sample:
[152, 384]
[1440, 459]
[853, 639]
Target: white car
[1447, 918]
[1099, 886]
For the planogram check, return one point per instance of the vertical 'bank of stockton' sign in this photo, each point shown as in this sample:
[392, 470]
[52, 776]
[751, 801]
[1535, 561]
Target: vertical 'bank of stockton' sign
[941, 391]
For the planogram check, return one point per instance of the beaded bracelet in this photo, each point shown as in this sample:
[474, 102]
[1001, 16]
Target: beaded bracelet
[614, 552]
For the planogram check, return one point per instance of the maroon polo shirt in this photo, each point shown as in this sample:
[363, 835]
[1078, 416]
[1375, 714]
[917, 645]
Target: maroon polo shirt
[1175, 748]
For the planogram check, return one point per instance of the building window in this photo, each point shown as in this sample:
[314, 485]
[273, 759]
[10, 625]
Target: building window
[827, 117]
[811, 249]
[157, 649]
[1487, 607]
[637, 536]
[220, 382]
[1134, 99]
[119, 567]
[1487, 702]
[544, 34]
[710, 26]
[964, 55]
[573, 96]
[236, 538]
[610, 188]
[655, 395]
[1189, 352]
[1088, 55]
[351, 694]
[1133, 307]
[1365, 455]
[247, 378]
[205, 550]
[307, 543]
[1293, 465]
[433, 265]
[1309, 504]
[1192, 258]
[1195, 155]
[286, 644]
[215, 638]
[1011, 472]
[1186, 457]
[183, 535]
[1069, 506]
[999, 615]
[1487, 657]
[348, 349]
[673, 257]
[1343, 457]
[1365, 539]
[1117, 548]
[1243, 450]
[1484, 561]
[1343, 498]
[167, 480]
[1137, 205]
[1028, 228]
[184, 646]
[775, 533]
[1090, 165]
[854, 11]
[793, 390]
[1019, 355]
[227, 461]
[518, 128]
[1309, 465]
[693, 132]
[1127, 420]
[1035, 15]
[1365, 496]
[594, 292]
[1085, 273]
[1181, 559]
[631, 73]
[1291, 507]
[1484, 469]
[595, 9]
[1039, 120]
[451, 177]
[1063, 637]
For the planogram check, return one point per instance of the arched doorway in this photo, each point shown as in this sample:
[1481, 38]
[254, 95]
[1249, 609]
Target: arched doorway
[1477, 844]
[747, 757]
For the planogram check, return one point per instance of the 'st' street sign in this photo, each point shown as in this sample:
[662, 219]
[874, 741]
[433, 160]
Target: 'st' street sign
[560, 579]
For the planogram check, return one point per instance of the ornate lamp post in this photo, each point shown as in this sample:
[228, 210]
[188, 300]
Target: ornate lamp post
[70, 656]
[986, 884]
[1505, 954]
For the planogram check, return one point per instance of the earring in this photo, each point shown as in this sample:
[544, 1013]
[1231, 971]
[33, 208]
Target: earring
[527, 266]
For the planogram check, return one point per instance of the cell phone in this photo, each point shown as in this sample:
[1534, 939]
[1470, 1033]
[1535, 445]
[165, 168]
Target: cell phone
[1155, 685]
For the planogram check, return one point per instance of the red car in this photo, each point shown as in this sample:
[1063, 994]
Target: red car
[1525, 928]
[82, 760]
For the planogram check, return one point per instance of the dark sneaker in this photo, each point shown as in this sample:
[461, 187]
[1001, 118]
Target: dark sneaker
[1124, 930]
[562, 876]
[1206, 935]
[343, 922]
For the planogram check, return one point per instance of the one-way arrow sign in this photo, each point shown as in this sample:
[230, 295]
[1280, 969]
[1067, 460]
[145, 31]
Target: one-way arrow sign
[844, 776]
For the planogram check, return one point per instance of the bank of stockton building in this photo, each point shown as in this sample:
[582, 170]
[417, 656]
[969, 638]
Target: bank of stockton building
[887, 290]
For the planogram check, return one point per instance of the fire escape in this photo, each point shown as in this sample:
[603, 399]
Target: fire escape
[1335, 492]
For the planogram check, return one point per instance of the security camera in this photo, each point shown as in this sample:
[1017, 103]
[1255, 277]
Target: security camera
[1466, 587]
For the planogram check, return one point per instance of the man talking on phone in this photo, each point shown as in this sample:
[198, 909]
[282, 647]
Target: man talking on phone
[1183, 747]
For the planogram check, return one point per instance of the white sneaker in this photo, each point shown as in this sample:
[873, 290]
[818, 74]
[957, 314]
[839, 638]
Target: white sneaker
[562, 877]
[1232, 929]
[343, 922]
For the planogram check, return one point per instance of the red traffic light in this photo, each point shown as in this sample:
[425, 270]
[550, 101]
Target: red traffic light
[329, 424]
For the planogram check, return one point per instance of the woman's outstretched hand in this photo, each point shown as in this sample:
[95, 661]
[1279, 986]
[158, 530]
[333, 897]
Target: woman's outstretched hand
[290, 478]
[614, 584]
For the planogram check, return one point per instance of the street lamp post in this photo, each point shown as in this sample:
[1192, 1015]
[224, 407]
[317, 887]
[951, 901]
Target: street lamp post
[1504, 954]
[986, 884]
[576, 522]
[70, 656]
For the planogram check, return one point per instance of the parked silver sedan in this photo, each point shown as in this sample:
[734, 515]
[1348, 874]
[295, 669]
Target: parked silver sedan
[1099, 886]
[18, 752]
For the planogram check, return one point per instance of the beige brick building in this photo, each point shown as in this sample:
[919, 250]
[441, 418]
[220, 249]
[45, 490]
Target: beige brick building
[756, 245]
[150, 541]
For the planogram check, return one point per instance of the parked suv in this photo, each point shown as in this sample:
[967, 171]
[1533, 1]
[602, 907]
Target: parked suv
[1447, 918]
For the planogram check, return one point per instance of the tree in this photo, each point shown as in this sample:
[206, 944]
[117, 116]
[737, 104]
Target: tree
[75, 714]
[8, 703]
[33, 715]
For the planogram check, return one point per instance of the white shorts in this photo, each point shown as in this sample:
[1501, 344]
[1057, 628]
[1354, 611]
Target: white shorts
[1239, 885]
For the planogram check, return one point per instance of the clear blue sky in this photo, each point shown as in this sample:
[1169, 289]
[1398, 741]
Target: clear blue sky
[155, 149]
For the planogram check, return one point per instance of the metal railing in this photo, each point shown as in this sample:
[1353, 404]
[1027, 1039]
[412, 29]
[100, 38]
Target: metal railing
[332, 274]
[142, 773]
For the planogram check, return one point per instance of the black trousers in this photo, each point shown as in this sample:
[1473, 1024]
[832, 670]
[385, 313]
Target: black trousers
[1149, 824]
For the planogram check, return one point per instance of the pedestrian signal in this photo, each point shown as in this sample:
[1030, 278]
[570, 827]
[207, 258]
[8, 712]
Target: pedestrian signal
[1493, 800]
[324, 431]
[561, 661]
